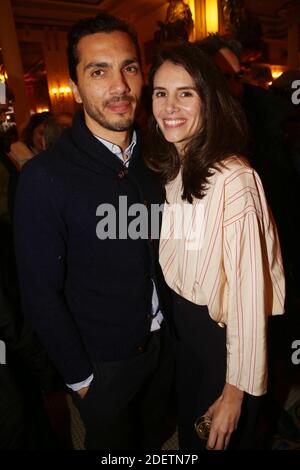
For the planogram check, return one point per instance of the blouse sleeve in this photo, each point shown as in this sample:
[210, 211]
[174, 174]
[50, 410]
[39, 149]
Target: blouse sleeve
[253, 267]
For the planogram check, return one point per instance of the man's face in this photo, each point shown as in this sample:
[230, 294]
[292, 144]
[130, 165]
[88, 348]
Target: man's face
[109, 82]
[230, 66]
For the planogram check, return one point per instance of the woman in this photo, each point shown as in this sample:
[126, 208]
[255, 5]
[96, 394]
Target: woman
[219, 250]
[32, 140]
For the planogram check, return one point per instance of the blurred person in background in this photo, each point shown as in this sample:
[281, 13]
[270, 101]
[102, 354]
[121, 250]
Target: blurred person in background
[54, 127]
[31, 142]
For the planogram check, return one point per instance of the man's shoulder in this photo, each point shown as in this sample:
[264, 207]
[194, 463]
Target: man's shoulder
[42, 172]
[266, 103]
[38, 165]
[49, 160]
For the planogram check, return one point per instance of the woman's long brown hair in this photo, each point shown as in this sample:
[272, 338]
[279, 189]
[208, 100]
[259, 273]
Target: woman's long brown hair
[223, 132]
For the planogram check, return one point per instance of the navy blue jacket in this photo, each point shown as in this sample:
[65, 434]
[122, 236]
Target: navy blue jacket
[88, 299]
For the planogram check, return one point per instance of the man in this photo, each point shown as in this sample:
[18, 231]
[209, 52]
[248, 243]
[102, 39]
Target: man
[94, 299]
[265, 111]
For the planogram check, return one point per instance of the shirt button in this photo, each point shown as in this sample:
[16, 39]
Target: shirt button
[221, 324]
[149, 316]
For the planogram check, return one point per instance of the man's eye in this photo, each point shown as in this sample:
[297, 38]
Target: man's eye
[131, 69]
[97, 73]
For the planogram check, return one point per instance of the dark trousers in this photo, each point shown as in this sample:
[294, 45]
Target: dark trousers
[201, 373]
[127, 405]
[24, 424]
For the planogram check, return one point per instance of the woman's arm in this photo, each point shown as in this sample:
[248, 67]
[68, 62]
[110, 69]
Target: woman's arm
[255, 280]
[255, 289]
[225, 413]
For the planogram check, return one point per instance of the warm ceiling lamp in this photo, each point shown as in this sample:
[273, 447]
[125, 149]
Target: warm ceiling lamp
[61, 91]
[212, 16]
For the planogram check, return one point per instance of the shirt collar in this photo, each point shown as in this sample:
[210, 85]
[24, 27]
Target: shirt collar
[116, 150]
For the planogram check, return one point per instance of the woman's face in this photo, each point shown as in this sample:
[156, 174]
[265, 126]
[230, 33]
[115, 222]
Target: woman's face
[37, 137]
[176, 104]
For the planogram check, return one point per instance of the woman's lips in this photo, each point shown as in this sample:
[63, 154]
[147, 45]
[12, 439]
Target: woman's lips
[173, 123]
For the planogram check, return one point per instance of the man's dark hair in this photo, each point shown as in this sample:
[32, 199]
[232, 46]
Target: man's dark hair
[102, 23]
[214, 42]
[223, 130]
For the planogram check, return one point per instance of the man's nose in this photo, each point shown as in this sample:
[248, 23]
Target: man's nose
[119, 85]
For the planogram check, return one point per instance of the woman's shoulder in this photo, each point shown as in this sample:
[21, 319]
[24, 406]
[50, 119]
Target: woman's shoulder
[20, 153]
[234, 175]
[234, 163]
[234, 168]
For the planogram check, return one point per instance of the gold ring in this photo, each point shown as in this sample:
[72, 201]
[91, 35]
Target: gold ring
[202, 426]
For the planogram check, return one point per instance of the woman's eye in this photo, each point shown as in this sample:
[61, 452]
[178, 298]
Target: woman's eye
[185, 94]
[159, 94]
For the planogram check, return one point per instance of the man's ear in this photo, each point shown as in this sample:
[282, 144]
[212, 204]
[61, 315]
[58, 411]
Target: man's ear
[75, 92]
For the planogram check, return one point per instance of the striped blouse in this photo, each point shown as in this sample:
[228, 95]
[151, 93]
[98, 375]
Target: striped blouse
[223, 251]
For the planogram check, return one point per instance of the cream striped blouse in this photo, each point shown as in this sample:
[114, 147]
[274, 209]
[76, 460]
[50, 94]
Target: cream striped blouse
[223, 252]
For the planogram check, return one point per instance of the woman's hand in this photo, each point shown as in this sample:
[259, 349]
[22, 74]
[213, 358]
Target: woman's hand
[225, 413]
[83, 391]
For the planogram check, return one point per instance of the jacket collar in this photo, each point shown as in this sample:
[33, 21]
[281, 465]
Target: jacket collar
[91, 152]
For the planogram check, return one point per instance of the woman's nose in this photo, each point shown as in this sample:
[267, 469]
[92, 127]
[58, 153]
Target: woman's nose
[171, 104]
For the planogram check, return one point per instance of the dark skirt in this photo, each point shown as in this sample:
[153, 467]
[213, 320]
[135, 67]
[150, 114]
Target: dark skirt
[201, 373]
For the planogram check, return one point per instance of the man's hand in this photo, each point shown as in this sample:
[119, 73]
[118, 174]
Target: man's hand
[83, 391]
[225, 413]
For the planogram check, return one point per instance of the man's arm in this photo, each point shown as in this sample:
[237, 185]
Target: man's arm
[40, 241]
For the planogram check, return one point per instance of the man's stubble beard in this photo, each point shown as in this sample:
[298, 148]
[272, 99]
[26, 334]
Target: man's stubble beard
[122, 124]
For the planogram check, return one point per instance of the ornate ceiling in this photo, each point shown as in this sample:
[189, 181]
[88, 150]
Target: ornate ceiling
[65, 12]
[62, 13]
[37, 14]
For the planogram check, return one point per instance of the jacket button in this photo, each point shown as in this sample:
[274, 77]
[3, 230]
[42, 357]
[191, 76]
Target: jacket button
[121, 174]
[140, 348]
